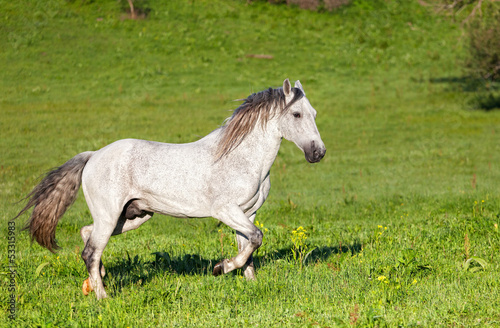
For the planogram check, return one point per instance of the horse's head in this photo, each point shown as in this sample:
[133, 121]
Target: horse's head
[297, 123]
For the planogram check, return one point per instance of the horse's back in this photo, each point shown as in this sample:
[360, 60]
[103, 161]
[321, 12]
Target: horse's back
[172, 178]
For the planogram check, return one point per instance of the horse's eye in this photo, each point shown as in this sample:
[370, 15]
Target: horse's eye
[296, 115]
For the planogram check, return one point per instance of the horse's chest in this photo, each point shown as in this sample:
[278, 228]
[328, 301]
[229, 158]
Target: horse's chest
[257, 198]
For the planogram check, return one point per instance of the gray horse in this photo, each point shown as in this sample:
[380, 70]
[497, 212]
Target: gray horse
[224, 175]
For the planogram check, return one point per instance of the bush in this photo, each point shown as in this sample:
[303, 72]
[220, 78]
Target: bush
[484, 57]
[483, 63]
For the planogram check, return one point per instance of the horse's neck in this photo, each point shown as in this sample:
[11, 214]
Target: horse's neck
[259, 149]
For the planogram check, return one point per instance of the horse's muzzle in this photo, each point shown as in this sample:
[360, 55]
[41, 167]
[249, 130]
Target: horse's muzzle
[314, 153]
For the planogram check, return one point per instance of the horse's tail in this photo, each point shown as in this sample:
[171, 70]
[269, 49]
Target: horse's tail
[51, 198]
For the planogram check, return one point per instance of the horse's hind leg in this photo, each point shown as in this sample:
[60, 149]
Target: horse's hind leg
[85, 234]
[132, 217]
[103, 227]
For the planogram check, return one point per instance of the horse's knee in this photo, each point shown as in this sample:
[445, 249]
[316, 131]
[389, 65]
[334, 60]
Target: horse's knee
[255, 238]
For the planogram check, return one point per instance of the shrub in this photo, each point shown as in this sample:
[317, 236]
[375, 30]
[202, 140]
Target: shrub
[484, 46]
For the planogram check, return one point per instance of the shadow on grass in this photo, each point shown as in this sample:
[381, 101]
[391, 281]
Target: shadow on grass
[464, 83]
[317, 254]
[484, 94]
[485, 101]
[134, 271]
[128, 271]
[324, 252]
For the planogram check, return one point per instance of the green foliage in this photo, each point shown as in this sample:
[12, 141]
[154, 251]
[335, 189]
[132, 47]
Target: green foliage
[484, 56]
[397, 279]
[403, 154]
[481, 264]
[484, 59]
[481, 23]
[300, 248]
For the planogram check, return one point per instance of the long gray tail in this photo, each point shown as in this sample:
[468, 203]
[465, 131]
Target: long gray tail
[51, 198]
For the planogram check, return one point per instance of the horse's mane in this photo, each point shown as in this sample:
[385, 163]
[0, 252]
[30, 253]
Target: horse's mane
[258, 106]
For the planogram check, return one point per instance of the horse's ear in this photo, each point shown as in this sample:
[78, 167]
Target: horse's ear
[299, 86]
[287, 87]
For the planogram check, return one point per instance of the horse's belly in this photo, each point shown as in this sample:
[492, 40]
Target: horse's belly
[178, 206]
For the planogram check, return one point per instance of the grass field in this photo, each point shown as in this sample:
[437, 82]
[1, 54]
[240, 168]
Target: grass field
[401, 216]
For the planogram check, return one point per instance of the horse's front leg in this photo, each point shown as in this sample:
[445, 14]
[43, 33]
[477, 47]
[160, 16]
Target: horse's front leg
[248, 268]
[234, 217]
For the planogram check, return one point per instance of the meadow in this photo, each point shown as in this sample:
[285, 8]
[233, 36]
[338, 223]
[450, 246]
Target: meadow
[396, 226]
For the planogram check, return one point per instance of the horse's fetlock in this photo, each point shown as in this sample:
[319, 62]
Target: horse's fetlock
[87, 256]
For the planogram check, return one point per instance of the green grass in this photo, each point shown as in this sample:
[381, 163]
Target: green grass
[404, 152]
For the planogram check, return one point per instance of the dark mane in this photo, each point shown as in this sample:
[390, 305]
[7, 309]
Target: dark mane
[261, 106]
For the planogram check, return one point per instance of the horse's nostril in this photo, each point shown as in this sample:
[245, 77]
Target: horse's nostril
[316, 152]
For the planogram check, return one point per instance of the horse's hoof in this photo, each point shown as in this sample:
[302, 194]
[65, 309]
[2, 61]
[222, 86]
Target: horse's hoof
[102, 296]
[218, 269]
[86, 288]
